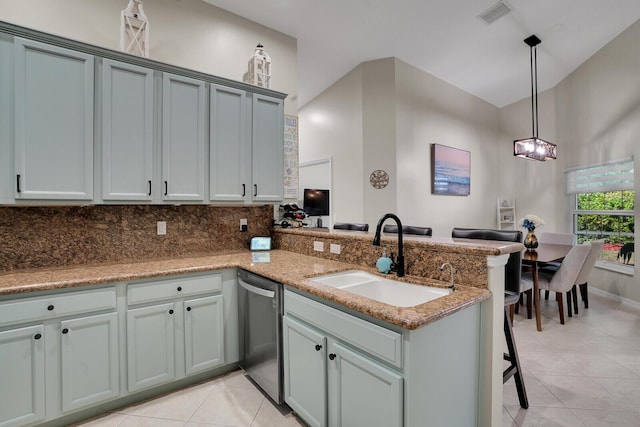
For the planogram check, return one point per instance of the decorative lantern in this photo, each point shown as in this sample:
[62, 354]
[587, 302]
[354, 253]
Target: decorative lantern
[259, 72]
[134, 29]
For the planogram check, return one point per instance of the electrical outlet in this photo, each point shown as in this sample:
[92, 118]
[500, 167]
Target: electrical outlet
[318, 246]
[243, 224]
[161, 227]
[334, 249]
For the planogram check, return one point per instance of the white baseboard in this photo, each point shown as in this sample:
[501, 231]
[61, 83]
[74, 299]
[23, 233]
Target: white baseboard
[614, 297]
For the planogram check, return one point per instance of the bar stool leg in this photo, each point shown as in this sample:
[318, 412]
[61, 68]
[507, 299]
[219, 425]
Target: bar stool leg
[514, 369]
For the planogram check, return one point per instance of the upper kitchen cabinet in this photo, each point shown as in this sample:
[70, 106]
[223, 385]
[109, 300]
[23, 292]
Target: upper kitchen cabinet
[246, 146]
[6, 120]
[228, 134]
[53, 122]
[267, 148]
[126, 111]
[183, 138]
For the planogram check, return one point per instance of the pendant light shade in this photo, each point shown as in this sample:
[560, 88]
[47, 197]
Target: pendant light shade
[534, 148]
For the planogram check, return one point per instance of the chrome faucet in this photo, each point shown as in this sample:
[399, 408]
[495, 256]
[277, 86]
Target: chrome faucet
[398, 264]
[451, 285]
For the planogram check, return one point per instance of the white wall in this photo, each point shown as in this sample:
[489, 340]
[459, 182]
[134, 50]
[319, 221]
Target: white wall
[429, 110]
[331, 126]
[188, 33]
[599, 119]
[379, 138]
[394, 112]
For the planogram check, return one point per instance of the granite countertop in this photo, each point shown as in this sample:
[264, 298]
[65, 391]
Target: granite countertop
[286, 267]
[453, 245]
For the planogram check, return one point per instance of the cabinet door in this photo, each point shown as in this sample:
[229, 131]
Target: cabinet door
[204, 333]
[183, 138]
[349, 375]
[53, 122]
[89, 355]
[150, 345]
[228, 144]
[127, 131]
[305, 372]
[267, 166]
[22, 373]
[7, 177]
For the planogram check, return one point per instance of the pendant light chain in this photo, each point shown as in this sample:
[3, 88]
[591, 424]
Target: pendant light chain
[534, 148]
[535, 67]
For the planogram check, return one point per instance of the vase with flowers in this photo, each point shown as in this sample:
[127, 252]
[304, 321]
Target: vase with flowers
[530, 222]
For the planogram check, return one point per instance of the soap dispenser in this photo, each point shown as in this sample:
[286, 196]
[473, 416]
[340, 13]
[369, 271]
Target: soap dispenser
[384, 262]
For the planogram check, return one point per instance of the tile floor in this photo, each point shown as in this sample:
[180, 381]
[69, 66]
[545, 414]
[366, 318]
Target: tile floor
[227, 401]
[585, 373]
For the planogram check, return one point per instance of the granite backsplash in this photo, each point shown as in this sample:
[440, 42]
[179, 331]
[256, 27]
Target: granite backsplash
[51, 236]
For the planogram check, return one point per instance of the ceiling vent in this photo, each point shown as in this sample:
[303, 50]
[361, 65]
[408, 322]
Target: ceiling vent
[494, 13]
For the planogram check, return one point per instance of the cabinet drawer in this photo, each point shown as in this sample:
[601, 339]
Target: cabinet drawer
[382, 343]
[158, 290]
[42, 308]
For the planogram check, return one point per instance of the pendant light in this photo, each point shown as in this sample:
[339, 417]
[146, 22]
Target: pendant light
[534, 148]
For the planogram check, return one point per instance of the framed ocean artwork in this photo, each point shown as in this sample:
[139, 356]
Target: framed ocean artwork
[450, 171]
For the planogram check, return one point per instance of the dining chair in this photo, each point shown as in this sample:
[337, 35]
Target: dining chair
[350, 226]
[563, 280]
[583, 276]
[512, 290]
[408, 229]
[547, 237]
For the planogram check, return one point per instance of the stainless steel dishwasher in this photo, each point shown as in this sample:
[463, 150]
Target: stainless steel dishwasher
[260, 311]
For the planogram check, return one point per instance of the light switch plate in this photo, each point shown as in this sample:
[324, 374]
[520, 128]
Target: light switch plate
[161, 228]
[318, 246]
[334, 249]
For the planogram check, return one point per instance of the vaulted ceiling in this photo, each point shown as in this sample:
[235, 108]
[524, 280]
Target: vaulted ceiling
[445, 38]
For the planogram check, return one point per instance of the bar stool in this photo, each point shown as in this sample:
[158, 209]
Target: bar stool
[350, 226]
[512, 290]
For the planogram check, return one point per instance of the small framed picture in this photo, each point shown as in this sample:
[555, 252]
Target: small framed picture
[450, 171]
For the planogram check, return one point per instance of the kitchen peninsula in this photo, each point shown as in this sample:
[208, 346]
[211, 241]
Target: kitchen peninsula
[471, 308]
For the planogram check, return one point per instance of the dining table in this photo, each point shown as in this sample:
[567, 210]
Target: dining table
[544, 253]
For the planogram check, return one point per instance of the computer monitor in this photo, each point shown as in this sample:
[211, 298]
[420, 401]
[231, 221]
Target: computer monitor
[316, 202]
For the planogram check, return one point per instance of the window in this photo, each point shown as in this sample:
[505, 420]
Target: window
[605, 209]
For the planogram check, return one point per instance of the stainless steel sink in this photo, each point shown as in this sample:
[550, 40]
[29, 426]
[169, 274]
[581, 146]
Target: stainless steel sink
[388, 291]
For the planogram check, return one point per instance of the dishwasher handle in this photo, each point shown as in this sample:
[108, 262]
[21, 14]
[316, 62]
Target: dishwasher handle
[253, 289]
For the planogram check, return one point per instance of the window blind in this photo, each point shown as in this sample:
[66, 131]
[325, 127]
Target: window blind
[610, 176]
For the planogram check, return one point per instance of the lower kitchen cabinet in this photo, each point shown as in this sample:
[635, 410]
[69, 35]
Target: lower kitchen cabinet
[89, 356]
[305, 371]
[350, 373]
[150, 345]
[328, 383]
[57, 355]
[203, 333]
[341, 369]
[22, 366]
[64, 353]
[179, 335]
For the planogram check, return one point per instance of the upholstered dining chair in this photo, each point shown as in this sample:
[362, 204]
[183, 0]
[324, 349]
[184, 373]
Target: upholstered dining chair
[408, 229]
[350, 226]
[556, 239]
[583, 276]
[512, 290]
[563, 280]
